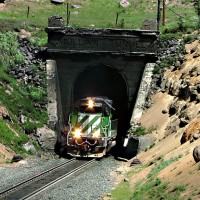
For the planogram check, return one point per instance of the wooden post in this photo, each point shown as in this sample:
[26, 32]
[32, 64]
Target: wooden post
[117, 15]
[158, 16]
[28, 10]
[67, 14]
[198, 11]
[164, 13]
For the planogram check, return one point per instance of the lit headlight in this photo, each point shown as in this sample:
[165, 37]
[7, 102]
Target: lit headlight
[90, 103]
[96, 134]
[77, 133]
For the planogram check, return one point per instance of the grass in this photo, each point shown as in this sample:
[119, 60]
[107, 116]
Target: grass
[17, 98]
[10, 139]
[155, 188]
[161, 166]
[98, 14]
[151, 187]
[139, 131]
[180, 188]
[123, 191]
[9, 51]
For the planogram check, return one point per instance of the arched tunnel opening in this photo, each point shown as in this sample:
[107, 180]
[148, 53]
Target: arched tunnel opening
[106, 81]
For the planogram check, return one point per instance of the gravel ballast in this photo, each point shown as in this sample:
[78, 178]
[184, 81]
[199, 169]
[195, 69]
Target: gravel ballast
[87, 185]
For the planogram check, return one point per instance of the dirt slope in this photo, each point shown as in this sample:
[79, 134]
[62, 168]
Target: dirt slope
[170, 129]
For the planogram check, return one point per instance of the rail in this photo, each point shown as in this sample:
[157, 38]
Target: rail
[36, 184]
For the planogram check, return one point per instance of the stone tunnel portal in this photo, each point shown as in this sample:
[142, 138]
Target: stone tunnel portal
[99, 62]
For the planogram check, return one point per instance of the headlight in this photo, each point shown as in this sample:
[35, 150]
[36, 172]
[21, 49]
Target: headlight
[77, 133]
[96, 134]
[90, 103]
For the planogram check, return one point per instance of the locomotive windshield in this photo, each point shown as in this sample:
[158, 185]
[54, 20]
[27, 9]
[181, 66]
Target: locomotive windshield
[95, 105]
[86, 109]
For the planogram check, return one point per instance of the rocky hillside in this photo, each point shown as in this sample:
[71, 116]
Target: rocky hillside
[174, 114]
[178, 97]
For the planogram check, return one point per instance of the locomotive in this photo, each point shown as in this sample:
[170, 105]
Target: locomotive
[91, 130]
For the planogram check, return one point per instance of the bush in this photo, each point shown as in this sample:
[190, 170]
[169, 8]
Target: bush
[189, 38]
[143, 131]
[180, 188]
[37, 94]
[9, 52]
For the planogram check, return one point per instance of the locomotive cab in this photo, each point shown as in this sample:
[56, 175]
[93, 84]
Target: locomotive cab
[91, 132]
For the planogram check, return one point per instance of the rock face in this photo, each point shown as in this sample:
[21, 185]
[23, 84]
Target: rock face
[176, 76]
[33, 69]
[46, 138]
[3, 112]
[183, 84]
[181, 81]
[196, 153]
[192, 132]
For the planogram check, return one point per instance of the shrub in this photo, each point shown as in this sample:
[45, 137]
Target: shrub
[161, 166]
[143, 131]
[189, 38]
[9, 52]
[180, 188]
[37, 94]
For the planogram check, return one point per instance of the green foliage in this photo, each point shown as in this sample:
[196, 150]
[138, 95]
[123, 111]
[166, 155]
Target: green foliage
[123, 191]
[158, 181]
[36, 94]
[39, 41]
[140, 131]
[197, 9]
[153, 189]
[189, 38]
[36, 145]
[2, 155]
[180, 172]
[7, 25]
[99, 14]
[9, 51]
[143, 131]
[161, 166]
[180, 188]
[19, 102]
[166, 62]
[180, 155]
[9, 138]
[29, 126]
[152, 145]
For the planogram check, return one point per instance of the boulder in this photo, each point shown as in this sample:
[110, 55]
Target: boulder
[196, 153]
[46, 138]
[17, 158]
[3, 112]
[29, 147]
[193, 129]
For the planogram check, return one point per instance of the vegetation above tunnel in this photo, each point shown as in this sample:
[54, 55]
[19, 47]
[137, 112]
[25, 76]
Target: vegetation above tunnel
[32, 16]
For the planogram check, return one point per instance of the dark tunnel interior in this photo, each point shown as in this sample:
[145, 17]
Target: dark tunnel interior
[102, 80]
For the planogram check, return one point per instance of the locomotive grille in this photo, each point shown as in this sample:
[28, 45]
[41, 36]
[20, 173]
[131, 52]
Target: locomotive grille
[89, 124]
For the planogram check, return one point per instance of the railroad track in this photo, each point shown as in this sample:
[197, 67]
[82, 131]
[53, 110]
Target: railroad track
[34, 185]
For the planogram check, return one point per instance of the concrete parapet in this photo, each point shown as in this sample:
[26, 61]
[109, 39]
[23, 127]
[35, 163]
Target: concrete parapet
[143, 92]
[52, 94]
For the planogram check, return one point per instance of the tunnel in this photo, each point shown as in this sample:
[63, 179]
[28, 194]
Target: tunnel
[97, 63]
[104, 81]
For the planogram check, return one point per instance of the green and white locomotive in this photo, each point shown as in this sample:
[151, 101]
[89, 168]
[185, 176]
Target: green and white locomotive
[91, 130]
